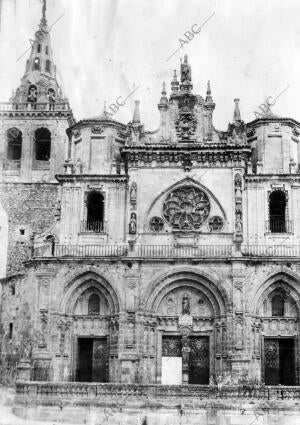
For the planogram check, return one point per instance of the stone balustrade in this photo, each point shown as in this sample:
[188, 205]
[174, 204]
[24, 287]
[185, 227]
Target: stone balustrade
[37, 106]
[123, 392]
[165, 251]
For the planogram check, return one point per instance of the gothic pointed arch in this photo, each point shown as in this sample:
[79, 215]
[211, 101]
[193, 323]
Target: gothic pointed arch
[283, 283]
[89, 283]
[187, 203]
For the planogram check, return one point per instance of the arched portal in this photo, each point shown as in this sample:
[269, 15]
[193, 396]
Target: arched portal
[92, 306]
[191, 328]
[278, 309]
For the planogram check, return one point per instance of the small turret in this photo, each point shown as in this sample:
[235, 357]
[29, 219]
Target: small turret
[175, 83]
[136, 119]
[208, 93]
[163, 104]
[236, 113]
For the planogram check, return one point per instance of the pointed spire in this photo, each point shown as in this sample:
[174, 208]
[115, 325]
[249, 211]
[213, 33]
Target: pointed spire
[208, 93]
[43, 24]
[163, 100]
[136, 114]
[236, 113]
[174, 83]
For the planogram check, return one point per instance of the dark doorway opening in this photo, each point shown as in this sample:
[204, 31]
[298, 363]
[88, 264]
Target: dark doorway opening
[199, 360]
[92, 364]
[279, 361]
[277, 208]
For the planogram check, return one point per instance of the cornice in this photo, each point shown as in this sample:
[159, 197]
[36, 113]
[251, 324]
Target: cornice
[115, 178]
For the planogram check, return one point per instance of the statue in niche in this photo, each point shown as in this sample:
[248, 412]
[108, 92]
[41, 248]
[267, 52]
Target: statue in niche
[186, 74]
[185, 305]
[132, 224]
[133, 193]
[78, 166]
[238, 222]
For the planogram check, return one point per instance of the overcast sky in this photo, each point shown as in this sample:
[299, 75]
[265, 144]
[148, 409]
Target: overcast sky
[248, 49]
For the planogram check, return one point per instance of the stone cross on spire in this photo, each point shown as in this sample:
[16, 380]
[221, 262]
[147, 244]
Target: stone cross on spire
[44, 9]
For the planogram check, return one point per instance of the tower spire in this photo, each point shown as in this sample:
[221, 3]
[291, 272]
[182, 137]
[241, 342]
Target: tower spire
[43, 23]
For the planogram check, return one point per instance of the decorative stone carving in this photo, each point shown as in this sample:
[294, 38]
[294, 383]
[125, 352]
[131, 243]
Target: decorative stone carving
[215, 224]
[156, 224]
[97, 129]
[133, 194]
[238, 208]
[187, 162]
[186, 208]
[78, 166]
[76, 133]
[132, 224]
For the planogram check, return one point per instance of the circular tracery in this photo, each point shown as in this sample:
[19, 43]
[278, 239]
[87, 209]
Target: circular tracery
[186, 208]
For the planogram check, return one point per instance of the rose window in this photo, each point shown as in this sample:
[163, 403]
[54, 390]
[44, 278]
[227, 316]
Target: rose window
[186, 208]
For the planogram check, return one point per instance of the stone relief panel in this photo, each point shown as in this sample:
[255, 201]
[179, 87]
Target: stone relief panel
[183, 299]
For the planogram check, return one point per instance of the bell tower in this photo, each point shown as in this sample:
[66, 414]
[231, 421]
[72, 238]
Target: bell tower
[33, 147]
[33, 123]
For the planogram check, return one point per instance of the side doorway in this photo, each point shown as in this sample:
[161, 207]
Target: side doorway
[279, 361]
[92, 360]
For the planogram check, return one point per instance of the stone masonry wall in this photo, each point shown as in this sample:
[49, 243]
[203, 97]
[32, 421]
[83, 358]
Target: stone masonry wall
[30, 208]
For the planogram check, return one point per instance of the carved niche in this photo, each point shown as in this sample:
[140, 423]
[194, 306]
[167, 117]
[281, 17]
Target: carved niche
[186, 208]
[185, 301]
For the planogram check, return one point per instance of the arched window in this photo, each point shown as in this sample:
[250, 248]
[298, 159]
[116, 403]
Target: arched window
[95, 212]
[47, 50]
[48, 66]
[94, 304]
[36, 64]
[42, 144]
[277, 208]
[38, 49]
[277, 306]
[14, 144]
[32, 93]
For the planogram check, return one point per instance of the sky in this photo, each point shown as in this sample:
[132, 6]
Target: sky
[104, 49]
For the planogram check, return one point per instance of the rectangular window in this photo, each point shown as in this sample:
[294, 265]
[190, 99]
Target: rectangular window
[47, 50]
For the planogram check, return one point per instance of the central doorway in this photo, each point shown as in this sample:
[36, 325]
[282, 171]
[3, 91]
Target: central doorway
[92, 363]
[279, 361]
[172, 360]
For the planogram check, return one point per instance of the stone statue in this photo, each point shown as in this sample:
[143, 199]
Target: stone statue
[185, 305]
[186, 74]
[238, 222]
[133, 193]
[132, 224]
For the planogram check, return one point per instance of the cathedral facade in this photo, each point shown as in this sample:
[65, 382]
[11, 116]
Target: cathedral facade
[147, 257]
